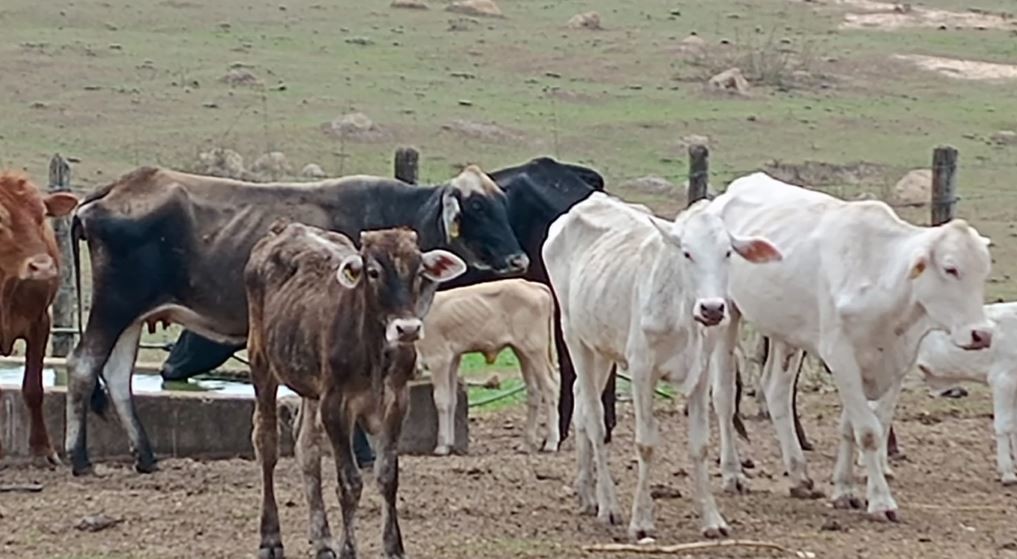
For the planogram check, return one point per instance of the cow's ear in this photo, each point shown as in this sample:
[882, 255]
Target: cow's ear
[667, 235]
[442, 265]
[60, 204]
[918, 267]
[450, 214]
[755, 249]
[350, 271]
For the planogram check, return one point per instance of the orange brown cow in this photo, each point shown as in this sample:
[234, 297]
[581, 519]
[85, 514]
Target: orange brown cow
[29, 276]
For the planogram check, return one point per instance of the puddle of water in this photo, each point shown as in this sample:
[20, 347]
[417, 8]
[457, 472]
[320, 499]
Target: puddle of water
[144, 383]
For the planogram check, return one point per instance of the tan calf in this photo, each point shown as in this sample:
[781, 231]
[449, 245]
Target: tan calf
[488, 318]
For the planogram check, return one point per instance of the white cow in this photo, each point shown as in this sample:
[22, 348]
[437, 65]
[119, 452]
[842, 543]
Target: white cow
[487, 318]
[944, 365]
[859, 288]
[651, 296]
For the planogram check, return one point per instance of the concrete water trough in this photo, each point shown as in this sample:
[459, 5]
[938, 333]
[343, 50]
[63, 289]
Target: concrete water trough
[197, 419]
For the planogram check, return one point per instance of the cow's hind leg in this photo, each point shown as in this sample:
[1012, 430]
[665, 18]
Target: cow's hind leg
[117, 372]
[445, 384]
[1004, 410]
[641, 524]
[266, 447]
[533, 398]
[543, 372]
[32, 391]
[308, 453]
[782, 368]
[338, 420]
[592, 373]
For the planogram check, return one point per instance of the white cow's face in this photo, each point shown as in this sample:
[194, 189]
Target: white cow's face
[705, 248]
[949, 276]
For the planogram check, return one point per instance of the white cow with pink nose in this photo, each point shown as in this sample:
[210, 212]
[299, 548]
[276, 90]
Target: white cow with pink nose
[652, 296]
[860, 288]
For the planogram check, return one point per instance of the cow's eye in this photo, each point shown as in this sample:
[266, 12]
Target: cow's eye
[687, 255]
[373, 273]
[727, 254]
[952, 271]
[477, 206]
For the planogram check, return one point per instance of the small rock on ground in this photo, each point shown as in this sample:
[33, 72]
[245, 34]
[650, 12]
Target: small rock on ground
[731, 81]
[482, 8]
[409, 4]
[312, 171]
[587, 20]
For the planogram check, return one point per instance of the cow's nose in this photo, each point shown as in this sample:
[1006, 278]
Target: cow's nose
[39, 267]
[518, 263]
[408, 330]
[712, 312]
[980, 339]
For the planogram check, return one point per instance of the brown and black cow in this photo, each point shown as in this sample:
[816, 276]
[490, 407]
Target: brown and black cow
[337, 325]
[171, 246]
[29, 277]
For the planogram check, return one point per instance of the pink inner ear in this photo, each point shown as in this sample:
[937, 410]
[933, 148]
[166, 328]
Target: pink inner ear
[439, 264]
[758, 250]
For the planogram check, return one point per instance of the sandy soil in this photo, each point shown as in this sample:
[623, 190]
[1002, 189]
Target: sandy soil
[499, 502]
[962, 69]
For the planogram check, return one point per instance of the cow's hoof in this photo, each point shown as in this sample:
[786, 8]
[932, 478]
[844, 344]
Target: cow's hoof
[955, 393]
[847, 502]
[271, 551]
[716, 532]
[442, 450]
[806, 490]
[885, 515]
[736, 485]
[748, 464]
[609, 517]
[326, 554]
[641, 533]
[45, 459]
[550, 446]
[81, 470]
[1009, 480]
[146, 466]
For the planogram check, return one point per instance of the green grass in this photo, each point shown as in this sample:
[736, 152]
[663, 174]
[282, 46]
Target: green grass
[115, 80]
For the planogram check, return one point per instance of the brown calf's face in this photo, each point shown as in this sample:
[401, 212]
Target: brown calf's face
[27, 248]
[399, 282]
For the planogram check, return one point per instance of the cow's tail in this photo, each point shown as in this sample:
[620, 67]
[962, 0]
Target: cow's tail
[99, 401]
[739, 425]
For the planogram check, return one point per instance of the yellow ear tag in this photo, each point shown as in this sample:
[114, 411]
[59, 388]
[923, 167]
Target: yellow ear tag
[918, 269]
[453, 232]
[350, 276]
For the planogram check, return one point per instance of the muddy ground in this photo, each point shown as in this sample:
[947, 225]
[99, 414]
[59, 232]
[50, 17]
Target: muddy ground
[499, 502]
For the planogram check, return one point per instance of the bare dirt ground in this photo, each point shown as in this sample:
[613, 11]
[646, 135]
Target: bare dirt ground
[500, 502]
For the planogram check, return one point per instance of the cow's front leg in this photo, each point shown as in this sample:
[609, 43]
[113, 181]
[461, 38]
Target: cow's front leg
[308, 453]
[859, 425]
[641, 524]
[712, 522]
[387, 470]
[1004, 411]
[723, 377]
[592, 373]
[444, 377]
[779, 390]
[338, 421]
[32, 391]
[266, 448]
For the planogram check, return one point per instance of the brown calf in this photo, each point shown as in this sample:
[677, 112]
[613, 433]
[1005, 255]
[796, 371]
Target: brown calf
[29, 276]
[337, 326]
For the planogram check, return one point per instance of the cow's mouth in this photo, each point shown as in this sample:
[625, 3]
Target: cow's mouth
[708, 321]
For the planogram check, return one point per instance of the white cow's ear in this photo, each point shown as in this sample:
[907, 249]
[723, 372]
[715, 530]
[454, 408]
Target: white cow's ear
[918, 267]
[755, 249]
[667, 235]
[350, 271]
[450, 214]
[442, 265]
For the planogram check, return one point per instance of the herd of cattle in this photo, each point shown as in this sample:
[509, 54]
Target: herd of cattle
[340, 302]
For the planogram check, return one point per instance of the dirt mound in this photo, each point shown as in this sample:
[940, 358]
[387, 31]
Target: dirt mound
[1004, 138]
[313, 171]
[914, 188]
[221, 162]
[481, 8]
[890, 16]
[235, 77]
[730, 81]
[485, 132]
[409, 4]
[273, 165]
[962, 69]
[650, 184]
[821, 173]
[355, 126]
[588, 20]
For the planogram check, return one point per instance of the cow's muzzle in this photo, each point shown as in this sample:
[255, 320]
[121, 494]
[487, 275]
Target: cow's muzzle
[40, 267]
[710, 313]
[516, 264]
[404, 330]
[980, 339]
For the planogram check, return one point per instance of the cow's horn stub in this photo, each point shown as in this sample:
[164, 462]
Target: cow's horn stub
[278, 225]
[474, 179]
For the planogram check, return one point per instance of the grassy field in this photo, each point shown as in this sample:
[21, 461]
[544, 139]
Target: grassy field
[116, 84]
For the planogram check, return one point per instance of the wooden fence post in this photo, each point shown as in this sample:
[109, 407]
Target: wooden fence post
[944, 184]
[66, 297]
[699, 172]
[407, 161]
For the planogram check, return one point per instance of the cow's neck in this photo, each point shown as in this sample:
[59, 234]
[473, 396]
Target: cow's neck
[416, 207]
[670, 298]
[358, 321]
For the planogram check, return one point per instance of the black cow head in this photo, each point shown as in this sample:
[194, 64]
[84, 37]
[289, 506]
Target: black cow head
[476, 223]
